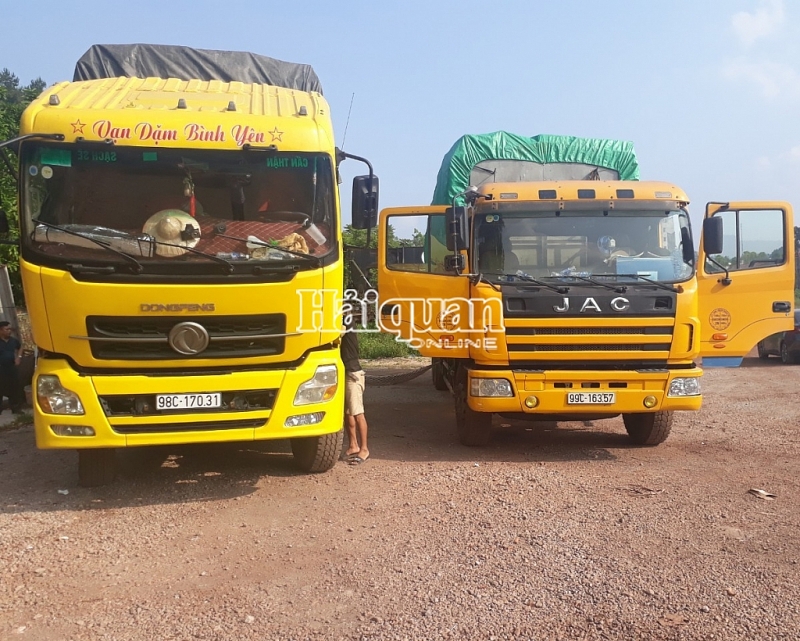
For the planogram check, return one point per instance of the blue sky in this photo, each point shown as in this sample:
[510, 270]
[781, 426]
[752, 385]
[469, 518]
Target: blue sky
[708, 91]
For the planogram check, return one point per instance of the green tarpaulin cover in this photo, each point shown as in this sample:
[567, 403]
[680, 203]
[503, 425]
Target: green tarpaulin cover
[542, 157]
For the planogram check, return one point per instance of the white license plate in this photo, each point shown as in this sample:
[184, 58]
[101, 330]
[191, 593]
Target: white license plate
[591, 398]
[188, 401]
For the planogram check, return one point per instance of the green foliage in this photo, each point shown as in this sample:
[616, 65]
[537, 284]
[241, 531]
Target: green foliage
[358, 238]
[13, 100]
[380, 345]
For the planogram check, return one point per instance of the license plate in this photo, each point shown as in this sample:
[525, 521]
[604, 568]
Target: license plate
[188, 401]
[591, 398]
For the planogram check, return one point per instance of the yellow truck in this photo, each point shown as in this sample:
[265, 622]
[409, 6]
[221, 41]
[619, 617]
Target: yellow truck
[553, 285]
[181, 255]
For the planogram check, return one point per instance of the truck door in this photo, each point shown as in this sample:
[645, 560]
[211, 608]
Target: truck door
[746, 293]
[420, 301]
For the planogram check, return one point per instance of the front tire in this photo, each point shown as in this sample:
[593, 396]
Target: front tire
[315, 454]
[437, 373]
[763, 354]
[786, 357]
[474, 428]
[648, 429]
[96, 467]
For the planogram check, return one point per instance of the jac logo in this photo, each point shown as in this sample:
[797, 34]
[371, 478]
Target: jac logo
[618, 304]
[176, 307]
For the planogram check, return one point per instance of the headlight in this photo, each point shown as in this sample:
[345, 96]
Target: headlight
[320, 388]
[685, 386]
[54, 398]
[490, 387]
[300, 420]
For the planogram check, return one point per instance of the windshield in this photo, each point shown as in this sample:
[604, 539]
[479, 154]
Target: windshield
[170, 207]
[621, 245]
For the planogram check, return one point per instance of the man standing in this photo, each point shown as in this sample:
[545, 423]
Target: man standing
[10, 358]
[356, 423]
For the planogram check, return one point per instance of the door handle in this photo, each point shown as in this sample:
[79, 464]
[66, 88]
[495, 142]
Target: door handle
[781, 306]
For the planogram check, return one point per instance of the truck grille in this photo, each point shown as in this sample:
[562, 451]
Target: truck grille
[636, 339]
[137, 338]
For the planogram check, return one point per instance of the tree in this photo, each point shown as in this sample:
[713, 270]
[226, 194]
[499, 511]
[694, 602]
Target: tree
[13, 100]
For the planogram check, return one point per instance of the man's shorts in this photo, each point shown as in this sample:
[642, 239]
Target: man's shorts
[354, 393]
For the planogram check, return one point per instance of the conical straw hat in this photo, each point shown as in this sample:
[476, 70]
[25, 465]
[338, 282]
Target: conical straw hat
[166, 227]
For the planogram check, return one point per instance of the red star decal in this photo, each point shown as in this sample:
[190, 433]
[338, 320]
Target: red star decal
[276, 135]
[77, 126]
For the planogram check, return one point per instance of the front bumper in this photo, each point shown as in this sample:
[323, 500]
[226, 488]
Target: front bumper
[187, 426]
[551, 388]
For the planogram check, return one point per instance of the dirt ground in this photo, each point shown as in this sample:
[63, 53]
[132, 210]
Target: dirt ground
[551, 532]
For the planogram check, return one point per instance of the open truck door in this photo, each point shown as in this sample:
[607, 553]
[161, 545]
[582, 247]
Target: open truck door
[746, 278]
[421, 300]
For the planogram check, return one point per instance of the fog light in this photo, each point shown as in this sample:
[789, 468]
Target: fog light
[54, 398]
[322, 387]
[531, 402]
[72, 430]
[490, 387]
[304, 419]
[650, 402]
[684, 386]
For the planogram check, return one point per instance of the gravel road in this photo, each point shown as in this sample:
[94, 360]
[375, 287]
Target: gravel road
[551, 532]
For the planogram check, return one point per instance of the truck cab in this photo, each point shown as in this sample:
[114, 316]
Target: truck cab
[584, 299]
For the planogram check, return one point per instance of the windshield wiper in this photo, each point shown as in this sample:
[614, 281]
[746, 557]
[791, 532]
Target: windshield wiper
[530, 279]
[619, 289]
[228, 265]
[137, 266]
[649, 281]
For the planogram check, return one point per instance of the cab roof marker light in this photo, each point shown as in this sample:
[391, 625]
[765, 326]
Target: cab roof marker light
[663, 194]
[586, 193]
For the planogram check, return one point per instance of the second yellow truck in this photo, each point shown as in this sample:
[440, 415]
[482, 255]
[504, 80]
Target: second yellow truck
[552, 285]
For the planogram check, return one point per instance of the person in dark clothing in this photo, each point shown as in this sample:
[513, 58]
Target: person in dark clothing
[10, 358]
[355, 422]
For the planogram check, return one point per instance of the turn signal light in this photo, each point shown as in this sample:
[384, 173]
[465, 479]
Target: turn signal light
[719, 337]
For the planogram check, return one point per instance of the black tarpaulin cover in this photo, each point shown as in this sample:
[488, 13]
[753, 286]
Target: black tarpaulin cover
[187, 63]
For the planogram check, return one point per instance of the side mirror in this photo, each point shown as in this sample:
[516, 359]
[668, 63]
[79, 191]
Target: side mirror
[4, 226]
[457, 229]
[686, 246]
[365, 202]
[712, 235]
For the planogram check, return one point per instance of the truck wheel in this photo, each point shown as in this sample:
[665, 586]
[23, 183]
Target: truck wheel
[317, 453]
[763, 354]
[648, 429]
[474, 428]
[786, 357]
[437, 373]
[96, 467]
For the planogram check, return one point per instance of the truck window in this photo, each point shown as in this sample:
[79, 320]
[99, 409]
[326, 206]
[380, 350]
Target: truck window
[583, 243]
[230, 196]
[416, 244]
[752, 239]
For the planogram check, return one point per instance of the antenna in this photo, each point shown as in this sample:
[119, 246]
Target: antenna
[349, 111]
